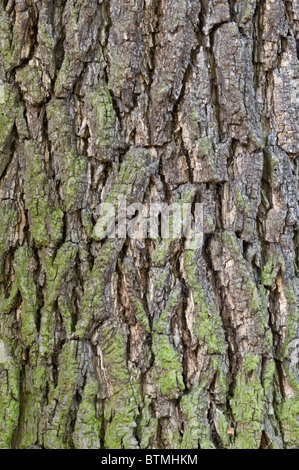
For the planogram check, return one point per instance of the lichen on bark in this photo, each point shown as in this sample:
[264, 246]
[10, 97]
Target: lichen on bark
[149, 343]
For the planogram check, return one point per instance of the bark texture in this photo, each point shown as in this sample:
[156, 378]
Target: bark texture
[149, 344]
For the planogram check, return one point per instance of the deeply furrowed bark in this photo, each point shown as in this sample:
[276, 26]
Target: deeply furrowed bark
[128, 344]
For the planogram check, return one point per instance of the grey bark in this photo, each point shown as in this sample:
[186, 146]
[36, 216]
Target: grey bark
[151, 344]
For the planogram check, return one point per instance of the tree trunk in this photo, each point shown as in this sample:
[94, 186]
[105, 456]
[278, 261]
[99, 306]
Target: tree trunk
[151, 343]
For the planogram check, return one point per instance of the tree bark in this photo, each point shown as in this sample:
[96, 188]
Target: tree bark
[122, 343]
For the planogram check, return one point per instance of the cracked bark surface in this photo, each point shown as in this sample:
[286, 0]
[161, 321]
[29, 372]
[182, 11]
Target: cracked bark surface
[128, 344]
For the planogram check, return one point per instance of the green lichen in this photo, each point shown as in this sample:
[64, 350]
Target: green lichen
[160, 90]
[45, 32]
[100, 101]
[160, 279]
[243, 202]
[5, 43]
[140, 314]
[130, 181]
[222, 427]
[119, 65]
[248, 404]
[207, 151]
[93, 301]
[9, 396]
[30, 80]
[147, 426]
[46, 220]
[135, 168]
[72, 167]
[121, 410]
[256, 295]
[9, 219]
[274, 263]
[57, 433]
[194, 407]
[290, 294]
[64, 80]
[179, 14]
[35, 386]
[88, 422]
[11, 116]
[168, 367]
[23, 266]
[164, 246]
[246, 10]
[87, 222]
[66, 310]
[55, 270]
[208, 326]
[288, 411]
